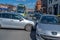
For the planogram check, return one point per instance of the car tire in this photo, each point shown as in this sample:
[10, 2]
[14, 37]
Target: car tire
[28, 27]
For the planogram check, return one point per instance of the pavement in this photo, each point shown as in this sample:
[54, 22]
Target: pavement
[12, 34]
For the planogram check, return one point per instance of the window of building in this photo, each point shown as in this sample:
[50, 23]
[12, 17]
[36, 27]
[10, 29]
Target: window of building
[55, 7]
[50, 10]
[59, 10]
[50, 1]
[55, 0]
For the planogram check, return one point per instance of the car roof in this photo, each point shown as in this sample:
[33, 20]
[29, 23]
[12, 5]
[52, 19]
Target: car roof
[48, 15]
[8, 13]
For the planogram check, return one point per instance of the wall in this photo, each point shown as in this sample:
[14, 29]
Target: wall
[52, 4]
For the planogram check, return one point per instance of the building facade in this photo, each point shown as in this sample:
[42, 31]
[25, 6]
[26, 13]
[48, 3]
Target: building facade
[38, 6]
[44, 6]
[53, 7]
[41, 5]
[7, 8]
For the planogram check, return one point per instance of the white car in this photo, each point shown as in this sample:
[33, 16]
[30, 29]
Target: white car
[14, 20]
[48, 28]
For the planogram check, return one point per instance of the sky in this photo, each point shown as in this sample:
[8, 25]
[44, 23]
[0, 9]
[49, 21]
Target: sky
[28, 3]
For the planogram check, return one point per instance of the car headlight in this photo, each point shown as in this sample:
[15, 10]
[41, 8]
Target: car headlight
[39, 30]
[38, 34]
[33, 23]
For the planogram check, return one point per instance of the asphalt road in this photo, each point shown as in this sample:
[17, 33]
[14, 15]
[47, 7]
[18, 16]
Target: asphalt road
[9, 34]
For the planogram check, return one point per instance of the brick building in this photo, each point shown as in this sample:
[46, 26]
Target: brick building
[38, 6]
[41, 5]
[44, 6]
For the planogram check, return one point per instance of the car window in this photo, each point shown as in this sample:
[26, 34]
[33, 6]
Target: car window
[0, 14]
[14, 16]
[5, 15]
[49, 19]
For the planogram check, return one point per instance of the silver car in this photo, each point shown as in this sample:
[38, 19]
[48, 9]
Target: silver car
[14, 20]
[48, 28]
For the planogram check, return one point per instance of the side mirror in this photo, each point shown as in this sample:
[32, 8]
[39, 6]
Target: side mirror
[20, 19]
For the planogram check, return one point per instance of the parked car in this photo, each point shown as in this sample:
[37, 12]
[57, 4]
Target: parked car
[14, 20]
[48, 27]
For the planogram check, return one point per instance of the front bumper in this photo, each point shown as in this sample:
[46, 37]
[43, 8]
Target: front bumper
[49, 37]
[42, 37]
[38, 37]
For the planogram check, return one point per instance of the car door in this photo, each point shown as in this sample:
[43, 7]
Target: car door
[17, 22]
[0, 19]
[6, 20]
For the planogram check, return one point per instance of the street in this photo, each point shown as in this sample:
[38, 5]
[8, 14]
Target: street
[10, 34]
[41, 15]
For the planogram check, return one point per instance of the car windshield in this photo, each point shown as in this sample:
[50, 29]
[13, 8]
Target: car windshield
[49, 20]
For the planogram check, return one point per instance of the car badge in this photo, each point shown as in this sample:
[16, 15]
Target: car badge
[54, 33]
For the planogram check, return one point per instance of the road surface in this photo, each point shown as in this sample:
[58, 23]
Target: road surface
[8, 34]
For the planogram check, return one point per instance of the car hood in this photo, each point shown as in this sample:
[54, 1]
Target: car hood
[52, 27]
[29, 22]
